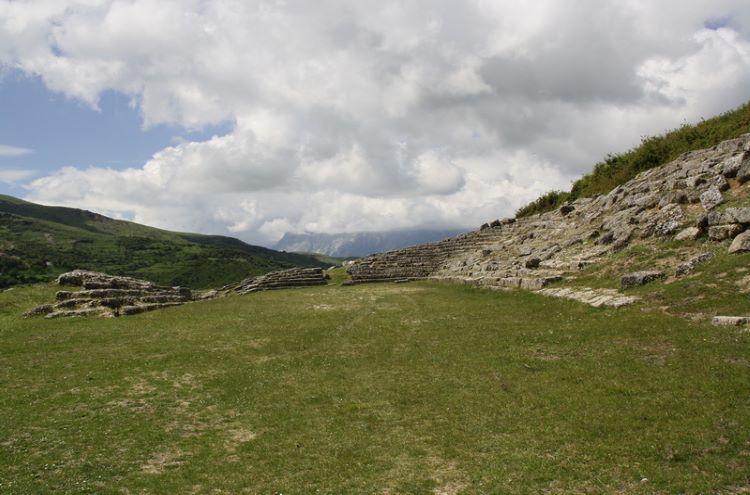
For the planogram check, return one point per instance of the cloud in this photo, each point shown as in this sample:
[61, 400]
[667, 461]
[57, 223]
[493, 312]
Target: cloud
[13, 151]
[362, 116]
[12, 175]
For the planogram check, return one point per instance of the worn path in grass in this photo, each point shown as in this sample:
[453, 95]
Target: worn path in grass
[411, 388]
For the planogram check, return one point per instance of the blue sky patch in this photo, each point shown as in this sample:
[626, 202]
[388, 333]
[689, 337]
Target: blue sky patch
[64, 132]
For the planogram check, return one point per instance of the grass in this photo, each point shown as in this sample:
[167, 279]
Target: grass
[653, 151]
[37, 243]
[718, 287]
[405, 388]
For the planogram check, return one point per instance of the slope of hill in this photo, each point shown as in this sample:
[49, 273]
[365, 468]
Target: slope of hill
[356, 244]
[669, 220]
[38, 242]
[652, 152]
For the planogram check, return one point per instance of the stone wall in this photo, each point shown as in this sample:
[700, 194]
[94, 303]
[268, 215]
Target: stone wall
[284, 279]
[681, 200]
[109, 295]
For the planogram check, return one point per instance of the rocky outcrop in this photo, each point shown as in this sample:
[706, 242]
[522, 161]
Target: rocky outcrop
[681, 200]
[636, 279]
[284, 279]
[692, 263]
[109, 295]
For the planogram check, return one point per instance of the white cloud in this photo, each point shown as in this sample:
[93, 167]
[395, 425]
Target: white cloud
[12, 175]
[13, 151]
[369, 116]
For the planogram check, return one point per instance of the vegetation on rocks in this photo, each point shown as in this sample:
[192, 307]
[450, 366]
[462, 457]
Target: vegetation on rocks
[652, 152]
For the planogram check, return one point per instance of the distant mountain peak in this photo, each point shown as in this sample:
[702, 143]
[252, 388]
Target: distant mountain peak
[360, 243]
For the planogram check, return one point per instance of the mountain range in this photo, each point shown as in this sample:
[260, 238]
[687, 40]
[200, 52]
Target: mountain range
[357, 244]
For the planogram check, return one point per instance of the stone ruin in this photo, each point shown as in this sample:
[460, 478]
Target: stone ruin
[284, 279]
[679, 200]
[111, 296]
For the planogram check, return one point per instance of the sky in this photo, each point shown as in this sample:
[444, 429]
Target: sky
[255, 118]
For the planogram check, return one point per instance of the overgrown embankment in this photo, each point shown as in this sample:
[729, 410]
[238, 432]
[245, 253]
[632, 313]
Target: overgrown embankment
[653, 151]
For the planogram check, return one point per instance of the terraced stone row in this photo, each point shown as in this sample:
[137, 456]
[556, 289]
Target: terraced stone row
[109, 295]
[679, 200]
[284, 279]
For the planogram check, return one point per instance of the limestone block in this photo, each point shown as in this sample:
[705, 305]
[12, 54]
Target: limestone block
[721, 183]
[741, 243]
[731, 165]
[739, 215]
[692, 263]
[711, 198]
[636, 279]
[743, 173]
[719, 233]
[730, 321]
[688, 234]
[719, 218]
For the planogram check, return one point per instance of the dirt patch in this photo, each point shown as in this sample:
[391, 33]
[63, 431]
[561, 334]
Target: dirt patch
[241, 435]
[743, 284]
[141, 387]
[544, 356]
[237, 437]
[655, 352]
[161, 461]
[737, 361]
[450, 488]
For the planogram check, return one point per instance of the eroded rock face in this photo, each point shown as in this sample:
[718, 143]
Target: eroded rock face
[110, 295]
[680, 199]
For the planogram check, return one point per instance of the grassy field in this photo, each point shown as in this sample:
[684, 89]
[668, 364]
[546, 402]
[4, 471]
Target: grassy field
[407, 388]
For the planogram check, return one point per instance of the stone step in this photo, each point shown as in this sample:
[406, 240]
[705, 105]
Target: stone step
[379, 281]
[730, 321]
[79, 312]
[142, 308]
[593, 297]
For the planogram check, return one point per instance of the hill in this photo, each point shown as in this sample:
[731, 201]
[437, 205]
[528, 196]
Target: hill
[356, 244]
[653, 152]
[39, 242]
[672, 222]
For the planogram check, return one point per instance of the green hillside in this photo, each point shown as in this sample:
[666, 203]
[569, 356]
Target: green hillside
[652, 152]
[39, 242]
